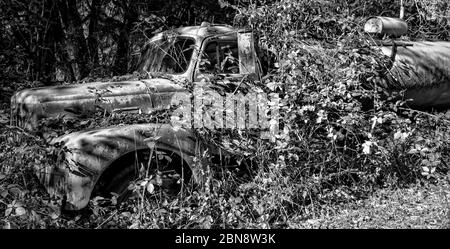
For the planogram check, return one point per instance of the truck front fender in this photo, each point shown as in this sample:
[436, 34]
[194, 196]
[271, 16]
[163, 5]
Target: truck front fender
[87, 154]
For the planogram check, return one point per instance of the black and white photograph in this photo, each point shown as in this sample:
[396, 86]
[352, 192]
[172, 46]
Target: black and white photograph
[244, 118]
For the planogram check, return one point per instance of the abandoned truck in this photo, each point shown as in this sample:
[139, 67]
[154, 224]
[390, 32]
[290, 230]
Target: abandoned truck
[105, 159]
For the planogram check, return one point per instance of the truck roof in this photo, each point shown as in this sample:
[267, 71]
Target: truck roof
[202, 31]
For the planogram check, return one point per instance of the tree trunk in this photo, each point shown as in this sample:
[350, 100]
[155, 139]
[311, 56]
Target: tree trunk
[93, 32]
[54, 56]
[75, 40]
[122, 55]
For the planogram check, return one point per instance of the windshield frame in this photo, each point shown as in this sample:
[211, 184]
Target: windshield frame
[142, 67]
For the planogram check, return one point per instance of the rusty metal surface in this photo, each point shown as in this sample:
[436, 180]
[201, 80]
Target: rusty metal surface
[247, 55]
[386, 25]
[89, 153]
[200, 32]
[82, 99]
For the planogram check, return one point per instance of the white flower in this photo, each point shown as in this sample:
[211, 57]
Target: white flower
[321, 116]
[366, 147]
[376, 120]
[331, 134]
[427, 171]
[307, 108]
[401, 135]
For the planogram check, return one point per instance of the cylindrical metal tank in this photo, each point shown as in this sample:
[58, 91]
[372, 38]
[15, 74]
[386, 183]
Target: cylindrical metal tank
[423, 69]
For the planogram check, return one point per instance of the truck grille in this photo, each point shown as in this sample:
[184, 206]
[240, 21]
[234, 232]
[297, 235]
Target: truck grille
[13, 117]
[16, 118]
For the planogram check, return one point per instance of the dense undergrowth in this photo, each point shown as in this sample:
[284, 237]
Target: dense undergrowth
[340, 137]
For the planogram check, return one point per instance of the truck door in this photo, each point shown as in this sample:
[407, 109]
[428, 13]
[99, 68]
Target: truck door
[230, 57]
[228, 60]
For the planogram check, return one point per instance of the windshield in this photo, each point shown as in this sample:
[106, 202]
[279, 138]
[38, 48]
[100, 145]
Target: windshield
[169, 55]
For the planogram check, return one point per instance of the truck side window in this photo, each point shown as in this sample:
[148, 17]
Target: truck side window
[208, 63]
[220, 57]
[229, 62]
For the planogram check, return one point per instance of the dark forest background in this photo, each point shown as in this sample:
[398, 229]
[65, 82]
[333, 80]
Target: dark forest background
[56, 40]
[68, 40]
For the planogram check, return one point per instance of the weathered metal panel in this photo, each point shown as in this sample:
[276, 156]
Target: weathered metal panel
[424, 70]
[247, 56]
[386, 25]
[83, 99]
[88, 153]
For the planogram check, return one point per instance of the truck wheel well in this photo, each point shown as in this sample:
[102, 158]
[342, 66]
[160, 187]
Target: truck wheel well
[127, 159]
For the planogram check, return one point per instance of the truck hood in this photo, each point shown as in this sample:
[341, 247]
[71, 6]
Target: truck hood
[30, 105]
[93, 90]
